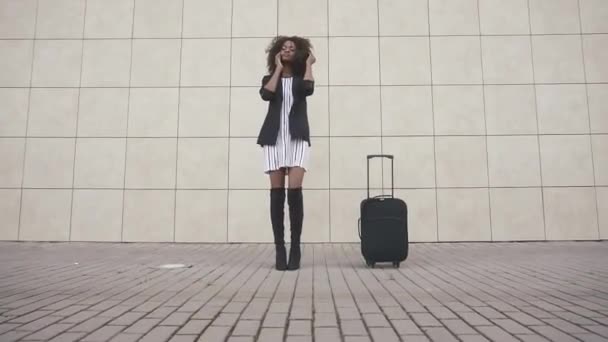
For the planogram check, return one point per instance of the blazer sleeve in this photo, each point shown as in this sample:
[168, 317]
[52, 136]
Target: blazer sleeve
[266, 94]
[309, 87]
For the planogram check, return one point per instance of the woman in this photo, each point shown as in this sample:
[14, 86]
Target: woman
[285, 137]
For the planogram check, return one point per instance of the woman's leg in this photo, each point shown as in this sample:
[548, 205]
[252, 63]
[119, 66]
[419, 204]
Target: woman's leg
[277, 216]
[296, 215]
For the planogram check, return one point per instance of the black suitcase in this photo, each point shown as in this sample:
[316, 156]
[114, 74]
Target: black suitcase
[383, 225]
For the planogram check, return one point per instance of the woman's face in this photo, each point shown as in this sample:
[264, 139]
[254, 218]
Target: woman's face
[288, 51]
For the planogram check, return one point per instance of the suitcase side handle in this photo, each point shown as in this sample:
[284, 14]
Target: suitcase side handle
[389, 156]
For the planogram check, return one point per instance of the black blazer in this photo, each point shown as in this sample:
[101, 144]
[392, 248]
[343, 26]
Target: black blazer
[298, 116]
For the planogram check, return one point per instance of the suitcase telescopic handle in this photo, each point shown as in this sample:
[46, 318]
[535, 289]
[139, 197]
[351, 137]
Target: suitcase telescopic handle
[389, 156]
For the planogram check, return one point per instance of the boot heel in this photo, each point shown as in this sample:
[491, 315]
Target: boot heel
[281, 258]
[295, 255]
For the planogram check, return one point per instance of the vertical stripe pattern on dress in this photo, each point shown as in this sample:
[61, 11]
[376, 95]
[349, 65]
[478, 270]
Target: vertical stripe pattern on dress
[286, 152]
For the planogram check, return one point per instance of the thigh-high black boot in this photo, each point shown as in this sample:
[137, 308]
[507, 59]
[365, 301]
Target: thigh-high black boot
[277, 216]
[296, 217]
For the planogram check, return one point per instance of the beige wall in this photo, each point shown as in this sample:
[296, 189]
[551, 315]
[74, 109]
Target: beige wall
[114, 128]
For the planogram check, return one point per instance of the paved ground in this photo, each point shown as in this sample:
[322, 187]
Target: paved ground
[444, 292]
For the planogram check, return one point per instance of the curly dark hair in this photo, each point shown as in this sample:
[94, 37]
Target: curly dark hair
[303, 48]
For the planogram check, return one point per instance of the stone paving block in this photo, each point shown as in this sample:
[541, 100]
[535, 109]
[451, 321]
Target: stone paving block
[565, 326]
[301, 313]
[62, 304]
[524, 318]
[415, 338]
[194, 327]
[226, 320]
[104, 333]
[584, 312]
[502, 306]
[183, 338]
[458, 307]
[325, 320]
[369, 308]
[127, 318]
[394, 312]
[115, 311]
[73, 310]
[489, 312]
[279, 307]
[512, 327]
[601, 330]
[326, 334]
[91, 324]
[591, 338]
[147, 306]
[440, 334]
[473, 338]
[271, 335]
[298, 339]
[275, 320]
[579, 320]
[191, 306]
[547, 306]
[246, 328]
[40, 323]
[299, 327]
[13, 335]
[532, 338]
[496, 334]
[353, 327]
[376, 320]
[161, 312]
[552, 334]
[176, 318]
[235, 307]
[4, 327]
[159, 334]
[124, 337]
[348, 313]
[32, 316]
[425, 320]
[474, 319]
[105, 305]
[441, 312]
[324, 307]
[406, 327]
[383, 334]
[215, 334]
[207, 312]
[357, 339]
[240, 339]
[80, 317]
[68, 337]
[48, 332]
[142, 326]
[254, 312]
[458, 326]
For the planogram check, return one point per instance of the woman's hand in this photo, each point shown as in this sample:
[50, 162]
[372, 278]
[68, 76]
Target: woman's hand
[277, 61]
[311, 58]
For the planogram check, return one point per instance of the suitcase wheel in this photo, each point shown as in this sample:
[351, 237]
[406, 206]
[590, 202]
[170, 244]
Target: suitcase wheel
[370, 263]
[396, 264]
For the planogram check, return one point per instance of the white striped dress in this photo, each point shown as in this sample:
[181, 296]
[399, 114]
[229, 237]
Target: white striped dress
[287, 152]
